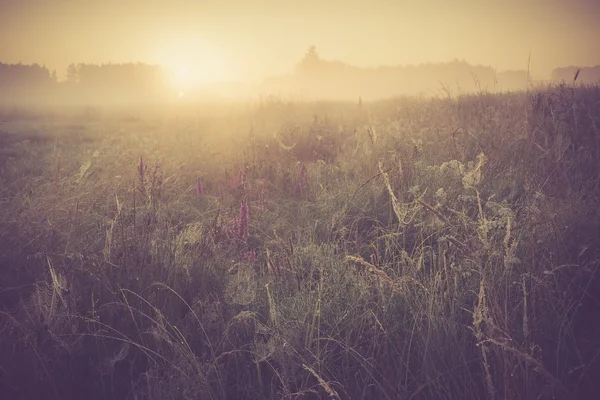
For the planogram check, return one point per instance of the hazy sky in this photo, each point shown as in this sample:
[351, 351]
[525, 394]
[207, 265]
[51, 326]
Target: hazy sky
[249, 39]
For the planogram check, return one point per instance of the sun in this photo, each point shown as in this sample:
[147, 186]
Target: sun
[192, 61]
[181, 77]
[188, 75]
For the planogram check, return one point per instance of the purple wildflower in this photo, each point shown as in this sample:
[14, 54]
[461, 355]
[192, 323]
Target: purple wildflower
[199, 188]
[141, 168]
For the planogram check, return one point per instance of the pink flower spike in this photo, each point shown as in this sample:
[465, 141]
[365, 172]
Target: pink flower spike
[199, 188]
[141, 168]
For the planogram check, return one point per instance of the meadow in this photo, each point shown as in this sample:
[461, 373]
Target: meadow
[441, 248]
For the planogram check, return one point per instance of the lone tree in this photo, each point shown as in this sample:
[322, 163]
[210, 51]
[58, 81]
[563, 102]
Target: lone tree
[311, 61]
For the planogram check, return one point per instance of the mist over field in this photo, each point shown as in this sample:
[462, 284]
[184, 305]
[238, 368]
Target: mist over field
[61, 51]
[299, 199]
[313, 78]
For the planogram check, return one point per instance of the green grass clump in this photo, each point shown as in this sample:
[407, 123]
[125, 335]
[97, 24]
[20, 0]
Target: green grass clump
[406, 249]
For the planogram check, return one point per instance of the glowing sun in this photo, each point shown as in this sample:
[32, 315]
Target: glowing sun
[181, 76]
[191, 63]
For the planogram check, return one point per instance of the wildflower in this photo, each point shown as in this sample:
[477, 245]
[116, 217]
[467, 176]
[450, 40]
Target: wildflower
[141, 168]
[199, 188]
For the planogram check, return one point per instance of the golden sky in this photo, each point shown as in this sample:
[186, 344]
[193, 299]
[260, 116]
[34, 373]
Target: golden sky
[246, 40]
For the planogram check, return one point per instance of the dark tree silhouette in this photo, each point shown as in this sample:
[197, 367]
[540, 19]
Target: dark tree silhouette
[19, 82]
[112, 83]
[310, 63]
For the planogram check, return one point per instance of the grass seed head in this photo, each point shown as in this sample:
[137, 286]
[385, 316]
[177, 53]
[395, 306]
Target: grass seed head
[244, 214]
[199, 188]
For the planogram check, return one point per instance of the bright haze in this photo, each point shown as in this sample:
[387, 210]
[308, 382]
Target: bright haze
[202, 42]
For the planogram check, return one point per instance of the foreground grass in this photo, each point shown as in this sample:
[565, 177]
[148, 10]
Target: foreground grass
[408, 249]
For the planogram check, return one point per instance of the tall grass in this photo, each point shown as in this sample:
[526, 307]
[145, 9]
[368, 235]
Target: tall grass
[404, 249]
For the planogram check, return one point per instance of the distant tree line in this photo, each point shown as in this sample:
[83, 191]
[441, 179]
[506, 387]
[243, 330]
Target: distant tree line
[17, 81]
[320, 77]
[85, 83]
[313, 75]
[126, 82]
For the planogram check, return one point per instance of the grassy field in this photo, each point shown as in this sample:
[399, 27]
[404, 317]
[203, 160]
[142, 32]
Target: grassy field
[403, 249]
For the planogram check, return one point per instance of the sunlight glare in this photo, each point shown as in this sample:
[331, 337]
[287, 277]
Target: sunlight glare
[192, 63]
[181, 76]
